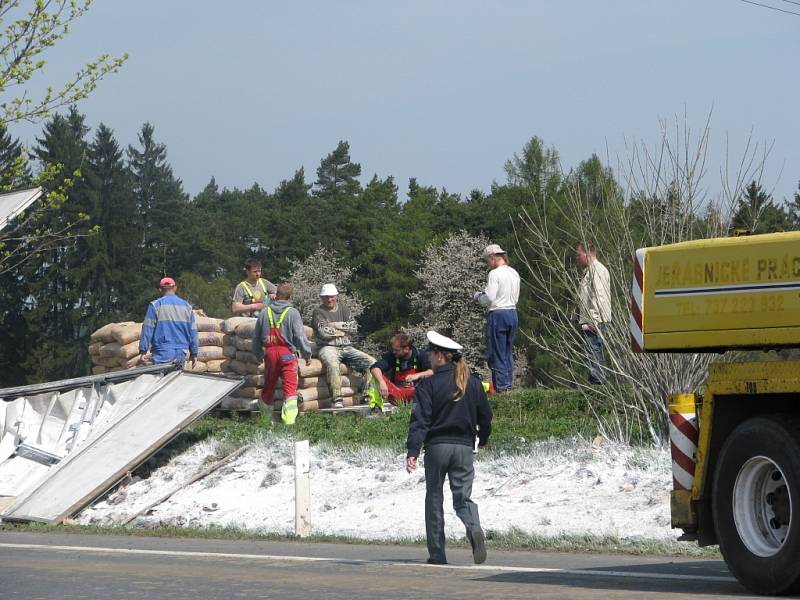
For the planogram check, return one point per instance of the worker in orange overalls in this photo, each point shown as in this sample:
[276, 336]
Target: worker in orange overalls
[280, 337]
[397, 370]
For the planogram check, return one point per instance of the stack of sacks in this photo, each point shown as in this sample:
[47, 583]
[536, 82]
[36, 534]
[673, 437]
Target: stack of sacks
[115, 346]
[313, 392]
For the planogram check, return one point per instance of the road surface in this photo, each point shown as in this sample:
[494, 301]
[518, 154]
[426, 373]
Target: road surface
[72, 566]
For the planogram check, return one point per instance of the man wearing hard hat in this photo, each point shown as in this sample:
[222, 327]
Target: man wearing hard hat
[333, 325]
[500, 297]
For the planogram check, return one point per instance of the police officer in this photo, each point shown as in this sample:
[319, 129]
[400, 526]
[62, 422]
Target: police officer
[451, 409]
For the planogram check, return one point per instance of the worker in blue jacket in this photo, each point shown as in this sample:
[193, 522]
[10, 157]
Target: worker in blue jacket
[169, 328]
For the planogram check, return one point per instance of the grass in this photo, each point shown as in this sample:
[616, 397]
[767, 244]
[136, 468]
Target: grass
[513, 540]
[520, 418]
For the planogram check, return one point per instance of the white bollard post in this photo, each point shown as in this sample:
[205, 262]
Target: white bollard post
[302, 489]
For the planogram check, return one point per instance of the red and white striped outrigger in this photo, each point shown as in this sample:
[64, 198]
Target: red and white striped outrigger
[637, 335]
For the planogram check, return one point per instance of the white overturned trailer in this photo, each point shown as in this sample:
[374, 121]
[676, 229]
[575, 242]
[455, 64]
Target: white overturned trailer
[64, 444]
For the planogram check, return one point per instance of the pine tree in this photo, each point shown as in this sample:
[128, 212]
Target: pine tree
[757, 213]
[336, 175]
[58, 301]
[161, 203]
[118, 245]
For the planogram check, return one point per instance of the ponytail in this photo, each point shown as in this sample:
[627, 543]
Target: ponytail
[462, 377]
[462, 373]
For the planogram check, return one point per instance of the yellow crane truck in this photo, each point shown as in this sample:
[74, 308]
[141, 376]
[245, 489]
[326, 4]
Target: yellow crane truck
[735, 443]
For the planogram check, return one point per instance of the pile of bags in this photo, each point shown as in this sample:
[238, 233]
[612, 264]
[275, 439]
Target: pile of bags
[313, 391]
[225, 349]
[115, 346]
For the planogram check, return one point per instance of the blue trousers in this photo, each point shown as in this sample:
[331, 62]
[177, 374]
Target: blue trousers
[168, 355]
[501, 329]
[595, 356]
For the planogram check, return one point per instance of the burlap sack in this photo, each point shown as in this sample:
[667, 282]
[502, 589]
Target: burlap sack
[99, 370]
[210, 338]
[246, 330]
[247, 357]
[230, 325]
[317, 394]
[103, 334]
[238, 367]
[129, 350]
[125, 333]
[257, 381]
[215, 366]
[207, 324]
[110, 350]
[199, 367]
[206, 353]
[94, 349]
[244, 344]
[309, 332]
[229, 351]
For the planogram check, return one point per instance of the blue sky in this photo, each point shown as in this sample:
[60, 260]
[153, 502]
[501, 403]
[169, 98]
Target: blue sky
[447, 91]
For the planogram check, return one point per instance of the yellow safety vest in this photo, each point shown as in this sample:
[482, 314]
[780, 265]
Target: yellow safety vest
[249, 290]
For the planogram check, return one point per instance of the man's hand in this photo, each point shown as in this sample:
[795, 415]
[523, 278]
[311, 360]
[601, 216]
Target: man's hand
[384, 389]
[146, 359]
[411, 464]
[272, 296]
[588, 327]
[308, 361]
[193, 360]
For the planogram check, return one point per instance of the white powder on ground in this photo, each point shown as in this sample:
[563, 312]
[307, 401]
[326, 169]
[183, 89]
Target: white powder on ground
[557, 488]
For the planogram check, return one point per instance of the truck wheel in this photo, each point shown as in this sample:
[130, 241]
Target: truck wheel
[756, 504]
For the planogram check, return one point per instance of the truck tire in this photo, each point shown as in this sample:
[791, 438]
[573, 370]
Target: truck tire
[756, 503]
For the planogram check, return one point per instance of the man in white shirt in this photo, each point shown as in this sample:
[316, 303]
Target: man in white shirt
[500, 297]
[594, 309]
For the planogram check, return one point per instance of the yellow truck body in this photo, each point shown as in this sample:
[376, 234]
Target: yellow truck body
[717, 294]
[735, 442]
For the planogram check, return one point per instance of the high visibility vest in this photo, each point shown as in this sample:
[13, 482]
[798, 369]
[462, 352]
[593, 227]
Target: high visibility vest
[274, 337]
[251, 293]
[399, 376]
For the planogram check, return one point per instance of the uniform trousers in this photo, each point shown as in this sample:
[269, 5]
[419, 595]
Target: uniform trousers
[455, 462]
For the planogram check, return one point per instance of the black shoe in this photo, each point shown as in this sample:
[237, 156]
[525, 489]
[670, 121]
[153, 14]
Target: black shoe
[478, 542]
[436, 561]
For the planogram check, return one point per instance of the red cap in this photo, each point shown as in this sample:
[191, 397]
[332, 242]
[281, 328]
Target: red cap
[167, 282]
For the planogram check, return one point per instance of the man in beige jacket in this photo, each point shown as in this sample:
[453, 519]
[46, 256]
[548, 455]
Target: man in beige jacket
[594, 309]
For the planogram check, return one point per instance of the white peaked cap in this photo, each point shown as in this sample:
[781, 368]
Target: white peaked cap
[443, 342]
[493, 249]
[329, 290]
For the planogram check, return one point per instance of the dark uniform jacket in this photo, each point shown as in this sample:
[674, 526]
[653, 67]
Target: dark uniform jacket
[438, 419]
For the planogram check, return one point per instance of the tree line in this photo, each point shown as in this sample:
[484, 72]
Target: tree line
[135, 223]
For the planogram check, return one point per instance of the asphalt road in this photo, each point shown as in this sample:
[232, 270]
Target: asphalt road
[71, 566]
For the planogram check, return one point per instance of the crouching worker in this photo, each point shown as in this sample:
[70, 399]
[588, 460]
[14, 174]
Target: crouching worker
[279, 338]
[451, 409]
[396, 372]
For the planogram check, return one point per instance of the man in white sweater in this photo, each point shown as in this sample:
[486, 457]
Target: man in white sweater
[594, 309]
[500, 297]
